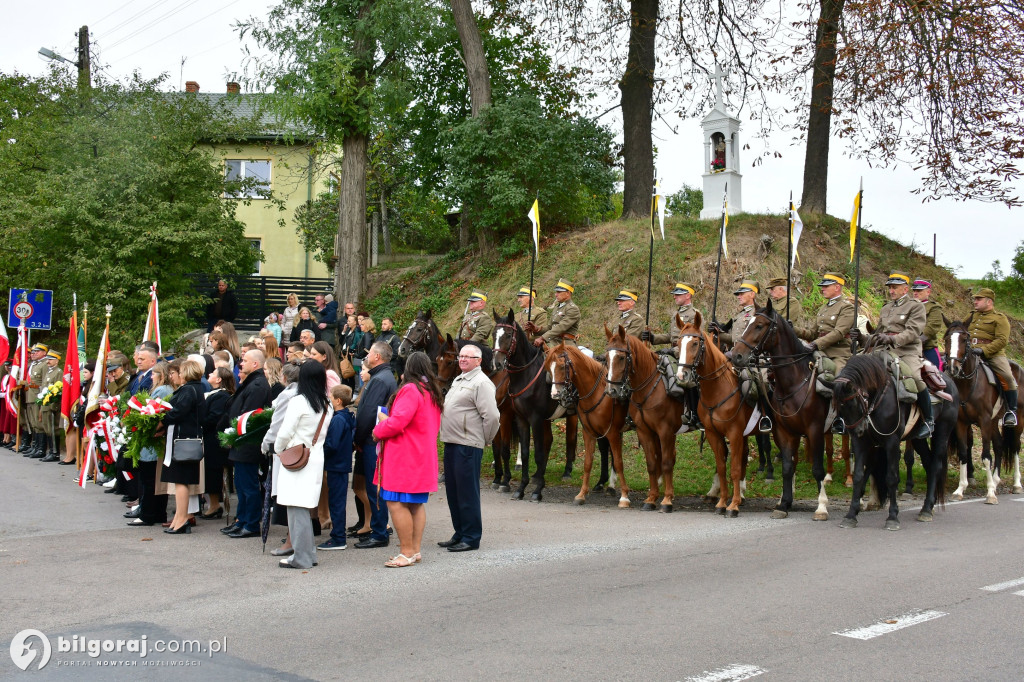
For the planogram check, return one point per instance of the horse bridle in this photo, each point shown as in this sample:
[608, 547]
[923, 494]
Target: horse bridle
[868, 408]
[622, 390]
[759, 348]
[569, 395]
[424, 338]
[511, 348]
[957, 373]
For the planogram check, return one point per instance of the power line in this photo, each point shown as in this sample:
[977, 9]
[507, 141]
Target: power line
[143, 11]
[187, 26]
[154, 22]
[109, 14]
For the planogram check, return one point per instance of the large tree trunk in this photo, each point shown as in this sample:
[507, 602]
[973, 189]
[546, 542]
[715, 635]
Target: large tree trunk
[819, 120]
[350, 270]
[637, 86]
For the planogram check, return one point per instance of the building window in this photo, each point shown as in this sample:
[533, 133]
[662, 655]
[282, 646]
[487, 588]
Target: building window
[253, 176]
[256, 245]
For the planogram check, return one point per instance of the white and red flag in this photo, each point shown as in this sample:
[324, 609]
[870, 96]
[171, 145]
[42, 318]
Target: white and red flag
[152, 330]
[18, 365]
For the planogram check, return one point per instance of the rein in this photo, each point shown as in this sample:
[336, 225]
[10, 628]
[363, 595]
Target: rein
[868, 409]
[584, 412]
[627, 371]
[425, 337]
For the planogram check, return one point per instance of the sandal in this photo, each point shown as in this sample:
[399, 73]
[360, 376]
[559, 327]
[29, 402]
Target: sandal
[400, 561]
[417, 557]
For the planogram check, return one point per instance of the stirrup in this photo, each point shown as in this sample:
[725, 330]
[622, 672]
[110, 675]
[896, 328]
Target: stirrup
[928, 428]
[764, 424]
[839, 426]
[1010, 418]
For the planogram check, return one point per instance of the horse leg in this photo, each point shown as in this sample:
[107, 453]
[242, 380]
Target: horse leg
[571, 437]
[859, 475]
[788, 444]
[498, 446]
[816, 448]
[721, 450]
[892, 481]
[931, 465]
[615, 443]
[829, 452]
[1017, 488]
[908, 459]
[963, 447]
[991, 481]
[541, 451]
[652, 448]
[668, 463]
[874, 501]
[588, 464]
[602, 445]
[970, 457]
[845, 452]
[764, 455]
[524, 451]
[737, 474]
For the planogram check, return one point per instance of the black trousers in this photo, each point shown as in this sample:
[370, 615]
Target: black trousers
[154, 507]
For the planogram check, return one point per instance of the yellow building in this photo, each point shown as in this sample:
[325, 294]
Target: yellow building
[288, 167]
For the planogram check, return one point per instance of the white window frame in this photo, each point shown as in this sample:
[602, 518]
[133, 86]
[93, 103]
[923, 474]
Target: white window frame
[254, 192]
[257, 244]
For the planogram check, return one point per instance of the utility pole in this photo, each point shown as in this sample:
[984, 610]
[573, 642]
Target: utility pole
[83, 63]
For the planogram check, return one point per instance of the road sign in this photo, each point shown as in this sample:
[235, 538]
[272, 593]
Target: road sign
[39, 303]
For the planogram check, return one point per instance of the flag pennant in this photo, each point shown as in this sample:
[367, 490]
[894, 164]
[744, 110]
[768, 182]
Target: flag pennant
[72, 391]
[796, 228]
[5, 342]
[96, 388]
[659, 209]
[725, 220]
[152, 330]
[18, 368]
[534, 216]
[853, 224]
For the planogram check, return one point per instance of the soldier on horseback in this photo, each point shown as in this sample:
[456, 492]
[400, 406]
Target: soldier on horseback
[933, 326]
[527, 301]
[990, 332]
[733, 331]
[778, 293]
[565, 319]
[628, 317]
[476, 324]
[683, 295]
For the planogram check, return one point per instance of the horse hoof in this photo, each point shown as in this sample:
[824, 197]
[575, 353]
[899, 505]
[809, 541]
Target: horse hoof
[760, 469]
[536, 497]
[848, 523]
[957, 496]
[566, 477]
[769, 478]
[647, 506]
[598, 488]
[519, 467]
[665, 509]
[821, 516]
[925, 516]
[579, 499]
[518, 495]
[991, 499]
[907, 496]
[827, 479]
[721, 511]
[972, 482]
[872, 506]
[503, 488]
[1017, 490]
[623, 504]
[891, 524]
[495, 486]
[849, 481]
[779, 514]
[733, 513]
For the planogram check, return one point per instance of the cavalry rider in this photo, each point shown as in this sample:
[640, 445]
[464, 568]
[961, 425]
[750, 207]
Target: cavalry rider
[933, 328]
[476, 324]
[733, 331]
[777, 294]
[900, 324]
[565, 318]
[990, 332]
[527, 300]
[628, 317]
[683, 295]
[831, 328]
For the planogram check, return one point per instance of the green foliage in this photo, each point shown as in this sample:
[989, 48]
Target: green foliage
[105, 193]
[687, 202]
[1008, 287]
[502, 159]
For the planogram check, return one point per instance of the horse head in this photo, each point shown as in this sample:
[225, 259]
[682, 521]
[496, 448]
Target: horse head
[448, 360]
[559, 368]
[858, 391]
[961, 361]
[691, 350]
[507, 335]
[618, 358]
[418, 335]
[758, 334]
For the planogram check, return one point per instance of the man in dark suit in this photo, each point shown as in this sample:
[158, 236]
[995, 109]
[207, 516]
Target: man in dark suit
[224, 306]
[377, 391]
[253, 393]
[145, 360]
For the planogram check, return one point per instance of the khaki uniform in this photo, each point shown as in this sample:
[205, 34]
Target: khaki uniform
[477, 326]
[36, 379]
[630, 321]
[538, 315]
[933, 327]
[832, 324]
[796, 311]
[687, 313]
[119, 385]
[565, 324]
[905, 320]
[991, 332]
[50, 412]
[739, 325]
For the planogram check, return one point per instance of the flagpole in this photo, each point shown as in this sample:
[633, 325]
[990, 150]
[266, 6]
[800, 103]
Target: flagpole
[718, 268]
[85, 328]
[789, 253]
[856, 276]
[650, 261]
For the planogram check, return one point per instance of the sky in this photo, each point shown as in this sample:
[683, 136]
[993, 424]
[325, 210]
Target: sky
[192, 40]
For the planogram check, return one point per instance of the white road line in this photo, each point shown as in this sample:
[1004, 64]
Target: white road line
[891, 625]
[1003, 586]
[732, 673]
[1020, 594]
[951, 503]
[1018, 499]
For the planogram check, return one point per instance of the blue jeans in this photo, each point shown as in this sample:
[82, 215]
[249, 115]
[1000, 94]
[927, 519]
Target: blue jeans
[250, 502]
[378, 507]
[932, 356]
[462, 488]
[337, 500]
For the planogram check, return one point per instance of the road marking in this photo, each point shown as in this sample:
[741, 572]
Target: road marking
[1018, 499]
[891, 625]
[732, 673]
[1002, 586]
[1020, 594]
[953, 503]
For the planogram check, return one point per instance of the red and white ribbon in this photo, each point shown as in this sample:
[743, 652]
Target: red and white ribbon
[151, 407]
[243, 420]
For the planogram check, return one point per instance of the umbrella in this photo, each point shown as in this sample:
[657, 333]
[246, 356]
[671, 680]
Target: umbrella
[265, 522]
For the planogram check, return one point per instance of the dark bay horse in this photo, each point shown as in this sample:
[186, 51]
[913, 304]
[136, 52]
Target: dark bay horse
[864, 394]
[530, 392]
[447, 370]
[579, 380]
[726, 415]
[981, 404]
[423, 335]
[797, 409]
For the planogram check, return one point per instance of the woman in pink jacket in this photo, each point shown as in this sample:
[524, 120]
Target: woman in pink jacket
[407, 466]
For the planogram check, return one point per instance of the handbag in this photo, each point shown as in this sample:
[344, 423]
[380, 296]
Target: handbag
[345, 365]
[187, 449]
[297, 456]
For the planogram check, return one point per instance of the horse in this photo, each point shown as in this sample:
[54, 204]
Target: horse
[578, 380]
[797, 408]
[447, 369]
[423, 335]
[864, 395]
[532, 401]
[980, 404]
[725, 414]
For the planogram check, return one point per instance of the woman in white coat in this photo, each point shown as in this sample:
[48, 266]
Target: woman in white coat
[299, 491]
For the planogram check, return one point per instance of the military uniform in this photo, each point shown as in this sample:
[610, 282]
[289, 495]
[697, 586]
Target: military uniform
[739, 324]
[904, 320]
[50, 412]
[779, 303]
[36, 383]
[118, 385]
[538, 315]
[832, 324]
[991, 332]
[476, 325]
[630, 320]
[687, 313]
[565, 319]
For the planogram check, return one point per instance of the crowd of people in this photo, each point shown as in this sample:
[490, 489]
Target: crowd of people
[375, 418]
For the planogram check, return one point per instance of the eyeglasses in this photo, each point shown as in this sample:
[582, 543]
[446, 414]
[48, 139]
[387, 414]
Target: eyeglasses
[469, 357]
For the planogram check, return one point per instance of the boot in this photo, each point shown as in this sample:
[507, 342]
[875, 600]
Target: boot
[37, 450]
[927, 425]
[1010, 417]
[27, 444]
[692, 399]
[51, 453]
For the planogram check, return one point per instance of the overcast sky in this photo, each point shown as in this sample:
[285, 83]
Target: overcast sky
[192, 40]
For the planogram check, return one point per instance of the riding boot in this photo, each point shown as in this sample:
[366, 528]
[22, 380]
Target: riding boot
[50, 455]
[924, 403]
[1010, 416]
[39, 451]
[692, 399]
[27, 444]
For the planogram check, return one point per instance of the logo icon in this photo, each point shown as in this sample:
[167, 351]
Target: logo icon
[23, 653]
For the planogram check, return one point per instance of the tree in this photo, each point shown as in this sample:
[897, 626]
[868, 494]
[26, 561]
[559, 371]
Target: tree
[104, 191]
[687, 202]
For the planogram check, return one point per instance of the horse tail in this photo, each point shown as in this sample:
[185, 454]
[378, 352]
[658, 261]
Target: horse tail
[1011, 447]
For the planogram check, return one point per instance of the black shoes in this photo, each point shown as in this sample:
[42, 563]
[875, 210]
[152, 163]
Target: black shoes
[450, 543]
[213, 515]
[243, 533]
[463, 547]
[66, 462]
[371, 543]
[184, 530]
[228, 530]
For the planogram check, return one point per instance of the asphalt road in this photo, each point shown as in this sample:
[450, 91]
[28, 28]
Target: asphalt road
[556, 592]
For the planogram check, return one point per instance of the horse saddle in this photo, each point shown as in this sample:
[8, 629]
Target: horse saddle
[906, 387]
[749, 385]
[668, 365]
[935, 382]
[825, 370]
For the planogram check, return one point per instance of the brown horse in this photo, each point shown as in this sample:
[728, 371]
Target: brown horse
[980, 403]
[724, 412]
[579, 381]
[447, 370]
[633, 378]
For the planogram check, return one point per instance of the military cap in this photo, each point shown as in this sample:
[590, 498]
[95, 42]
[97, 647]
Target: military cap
[748, 285]
[897, 278]
[41, 347]
[777, 282]
[565, 285]
[684, 288]
[830, 278]
[985, 293]
[525, 291]
[53, 354]
[920, 284]
[477, 296]
[113, 363]
[627, 295]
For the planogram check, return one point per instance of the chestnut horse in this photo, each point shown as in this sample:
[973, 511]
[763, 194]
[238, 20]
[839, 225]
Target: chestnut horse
[796, 407]
[633, 377]
[724, 412]
[447, 370]
[579, 381]
[980, 404]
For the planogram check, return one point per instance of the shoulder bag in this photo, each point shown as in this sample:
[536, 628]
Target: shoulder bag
[345, 366]
[297, 456]
[188, 449]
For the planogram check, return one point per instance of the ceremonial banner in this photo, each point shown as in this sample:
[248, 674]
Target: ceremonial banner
[99, 376]
[5, 342]
[796, 228]
[152, 330]
[18, 367]
[72, 390]
[725, 221]
[534, 216]
[853, 225]
[659, 209]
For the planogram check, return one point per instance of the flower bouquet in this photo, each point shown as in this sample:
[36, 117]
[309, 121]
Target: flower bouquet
[50, 394]
[247, 428]
[141, 420]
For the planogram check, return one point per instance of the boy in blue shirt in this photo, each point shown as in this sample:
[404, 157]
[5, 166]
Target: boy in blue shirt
[338, 463]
